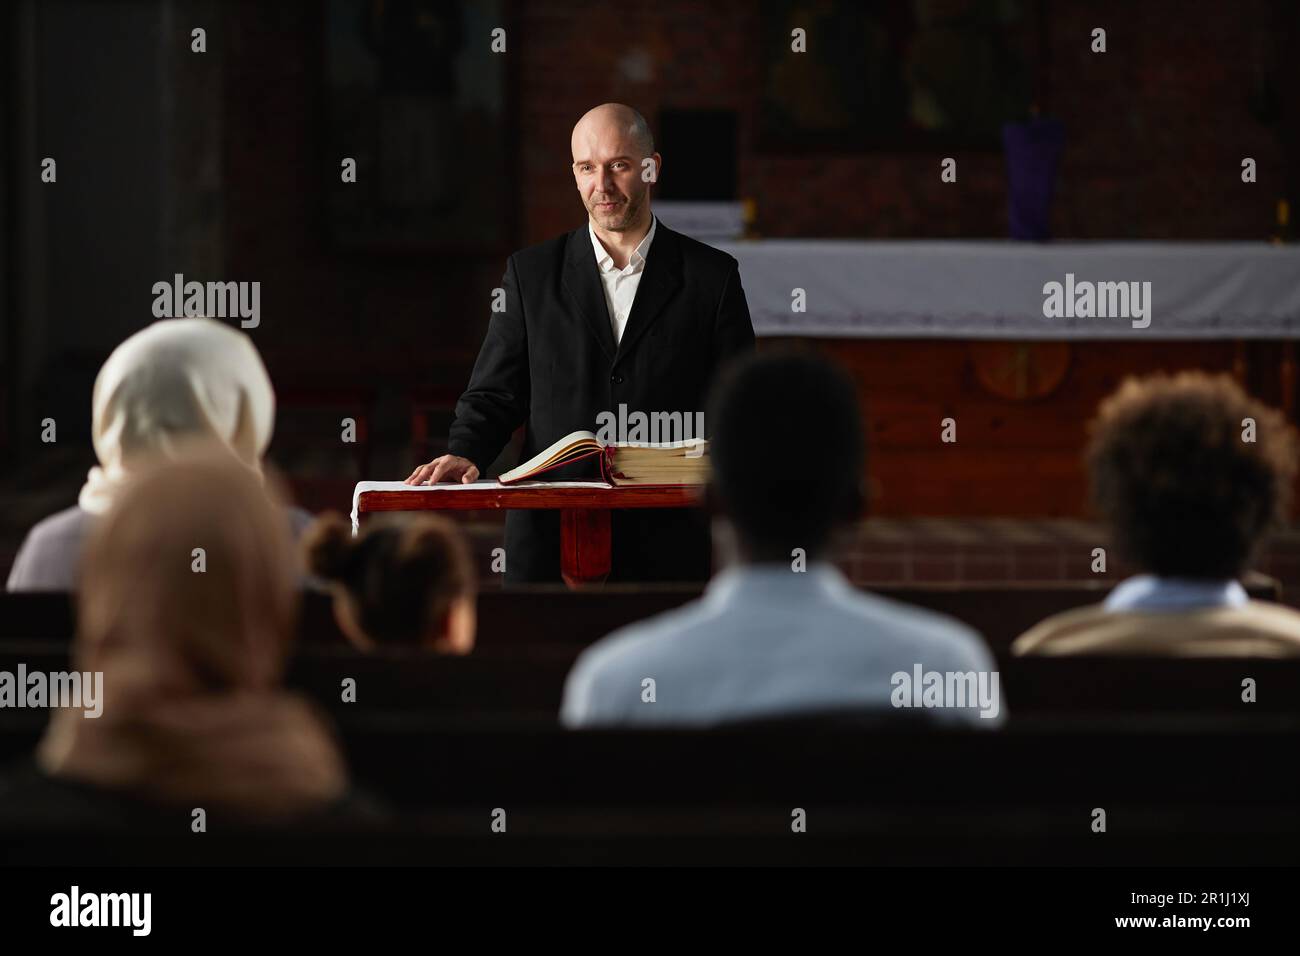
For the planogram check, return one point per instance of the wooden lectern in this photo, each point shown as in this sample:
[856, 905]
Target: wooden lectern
[584, 510]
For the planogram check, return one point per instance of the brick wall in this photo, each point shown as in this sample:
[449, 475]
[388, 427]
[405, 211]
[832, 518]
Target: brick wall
[1156, 127]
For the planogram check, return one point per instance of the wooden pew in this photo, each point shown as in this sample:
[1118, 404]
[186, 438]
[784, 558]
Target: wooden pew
[1171, 797]
[523, 688]
[557, 616]
[526, 685]
[1058, 686]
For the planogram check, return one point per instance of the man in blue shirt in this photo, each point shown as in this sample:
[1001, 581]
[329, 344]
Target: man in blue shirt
[780, 631]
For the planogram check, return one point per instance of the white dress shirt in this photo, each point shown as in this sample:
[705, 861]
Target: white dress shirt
[620, 284]
[765, 641]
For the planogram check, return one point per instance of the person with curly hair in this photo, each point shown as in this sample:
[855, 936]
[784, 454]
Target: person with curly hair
[1189, 473]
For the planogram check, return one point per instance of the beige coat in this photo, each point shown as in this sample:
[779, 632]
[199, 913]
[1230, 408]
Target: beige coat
[1256, 629]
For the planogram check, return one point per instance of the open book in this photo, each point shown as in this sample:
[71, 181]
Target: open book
[661, 463]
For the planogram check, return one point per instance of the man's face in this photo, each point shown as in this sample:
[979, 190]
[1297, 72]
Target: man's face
[607, 170]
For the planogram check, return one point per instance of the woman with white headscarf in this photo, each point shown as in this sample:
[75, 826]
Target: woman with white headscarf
[171, 383]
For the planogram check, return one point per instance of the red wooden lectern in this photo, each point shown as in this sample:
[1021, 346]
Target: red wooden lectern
[584, 511]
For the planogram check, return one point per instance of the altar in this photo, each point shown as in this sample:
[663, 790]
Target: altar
[967, 330]
[994, 289]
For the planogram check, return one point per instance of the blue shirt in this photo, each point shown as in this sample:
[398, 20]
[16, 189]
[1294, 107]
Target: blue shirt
[766, 641]
[1147, 592]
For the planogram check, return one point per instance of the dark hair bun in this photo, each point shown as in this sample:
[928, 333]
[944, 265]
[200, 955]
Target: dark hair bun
[401, 573]
[328, 546]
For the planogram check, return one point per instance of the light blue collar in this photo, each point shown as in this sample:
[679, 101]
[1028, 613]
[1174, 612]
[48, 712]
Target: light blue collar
[760, 580]
[1147, 592]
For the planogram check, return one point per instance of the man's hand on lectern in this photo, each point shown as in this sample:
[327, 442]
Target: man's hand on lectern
[445, 468]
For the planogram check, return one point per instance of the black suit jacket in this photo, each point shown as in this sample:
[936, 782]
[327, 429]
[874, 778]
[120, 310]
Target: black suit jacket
[549, 362]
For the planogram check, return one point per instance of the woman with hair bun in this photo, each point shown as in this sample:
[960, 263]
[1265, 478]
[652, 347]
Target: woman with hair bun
[403, 582]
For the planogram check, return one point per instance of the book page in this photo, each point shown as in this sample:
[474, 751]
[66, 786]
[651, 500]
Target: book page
[555, 451]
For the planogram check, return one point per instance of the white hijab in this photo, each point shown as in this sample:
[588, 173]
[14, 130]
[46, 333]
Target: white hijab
[173, 382]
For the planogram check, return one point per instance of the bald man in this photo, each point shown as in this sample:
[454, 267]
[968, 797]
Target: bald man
[621, 312]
